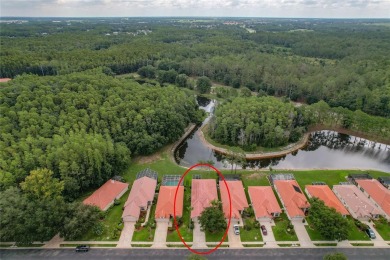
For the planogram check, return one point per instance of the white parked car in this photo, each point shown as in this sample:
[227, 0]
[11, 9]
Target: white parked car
[236, 229]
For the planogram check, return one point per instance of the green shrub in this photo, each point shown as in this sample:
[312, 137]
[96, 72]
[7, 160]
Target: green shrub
[98, 229]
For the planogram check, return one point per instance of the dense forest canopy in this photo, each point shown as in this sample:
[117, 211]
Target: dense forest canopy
[343, 62]
[84, 126]
[264, 121]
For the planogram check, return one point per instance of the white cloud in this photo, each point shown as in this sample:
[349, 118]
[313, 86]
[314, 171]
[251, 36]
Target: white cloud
[283, 8]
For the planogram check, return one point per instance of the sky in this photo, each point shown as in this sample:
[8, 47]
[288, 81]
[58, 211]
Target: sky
[231, 8]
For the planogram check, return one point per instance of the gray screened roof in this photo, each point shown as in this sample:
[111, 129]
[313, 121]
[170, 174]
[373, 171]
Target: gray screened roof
[148, 173]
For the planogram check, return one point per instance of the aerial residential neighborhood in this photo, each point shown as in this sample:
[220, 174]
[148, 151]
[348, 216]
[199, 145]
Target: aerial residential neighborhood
[195, 130]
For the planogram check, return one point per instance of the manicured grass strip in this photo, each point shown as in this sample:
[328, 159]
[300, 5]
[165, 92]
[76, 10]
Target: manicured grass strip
[215, 237]
[141, 245]
[362, 244]
[29, 245]
[383, 228]
[325, 244]
[219, 246]
[252, 235]
[289, 245]
[91, 245]
[280, 229]
[253, 245]
[181, 245]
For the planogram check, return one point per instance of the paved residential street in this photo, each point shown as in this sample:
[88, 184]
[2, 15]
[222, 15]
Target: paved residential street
[149, 253]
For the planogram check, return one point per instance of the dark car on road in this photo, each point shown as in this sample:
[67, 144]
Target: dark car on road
[370, 233]
[263, 230]
[82, 248]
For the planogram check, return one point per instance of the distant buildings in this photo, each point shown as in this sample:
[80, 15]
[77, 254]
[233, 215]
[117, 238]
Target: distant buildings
[105, 196]
[3, 80]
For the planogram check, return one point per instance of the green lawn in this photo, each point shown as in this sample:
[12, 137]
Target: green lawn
[280, 229]
[315, 235]
[383, 228]
[112, 221]
[146, 234]
[354, 232]
[215, 237]
[250, 236]
[185, 232]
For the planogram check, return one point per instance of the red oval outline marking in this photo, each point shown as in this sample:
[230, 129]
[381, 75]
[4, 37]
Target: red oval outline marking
[230, 210]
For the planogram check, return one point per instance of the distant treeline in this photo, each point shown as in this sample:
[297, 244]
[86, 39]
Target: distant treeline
[344, 63]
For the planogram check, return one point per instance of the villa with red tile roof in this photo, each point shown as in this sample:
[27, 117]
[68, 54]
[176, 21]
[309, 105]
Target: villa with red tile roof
[237, 194]
[140, 198]
[203, 192]
[324, 193]
[105, 196]
[166, 197]
[377, 192]
[356, 202]
[264, 202]
[292, 198]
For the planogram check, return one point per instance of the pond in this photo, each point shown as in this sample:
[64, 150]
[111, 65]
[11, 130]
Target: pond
[325, 150]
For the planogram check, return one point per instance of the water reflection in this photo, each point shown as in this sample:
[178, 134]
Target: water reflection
[325, 150]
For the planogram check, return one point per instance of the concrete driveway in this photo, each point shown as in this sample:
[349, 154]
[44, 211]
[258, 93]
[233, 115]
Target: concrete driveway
[234, 240]
[160, 236]
[269, 239]
[302, 234]
[126, 235]
[378, 241]
[199, 237]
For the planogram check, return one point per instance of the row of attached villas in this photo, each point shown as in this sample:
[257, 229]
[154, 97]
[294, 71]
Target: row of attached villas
[362, 198]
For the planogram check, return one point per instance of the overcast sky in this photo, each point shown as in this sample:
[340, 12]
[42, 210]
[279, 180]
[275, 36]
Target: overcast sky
[254, 8]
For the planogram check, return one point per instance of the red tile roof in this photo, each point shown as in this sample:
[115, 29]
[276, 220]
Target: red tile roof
[203, 191]
[264, 202]
[293, 198]
[166, 196]
[4, 80]
[237, 195]
[378, 193]
[356, 201]
[141, 193]
[106, 194]
[324, 193]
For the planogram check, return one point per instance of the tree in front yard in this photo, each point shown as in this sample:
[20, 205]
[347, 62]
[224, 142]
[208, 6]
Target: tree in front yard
[327, 221]
[212, 218]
